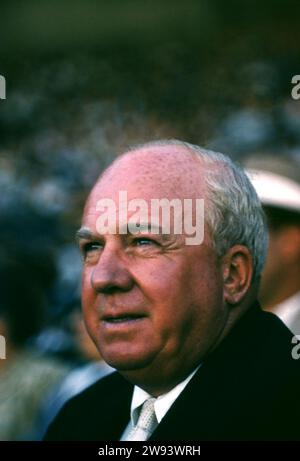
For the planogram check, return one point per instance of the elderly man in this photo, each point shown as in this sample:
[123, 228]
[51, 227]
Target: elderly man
[196, 357]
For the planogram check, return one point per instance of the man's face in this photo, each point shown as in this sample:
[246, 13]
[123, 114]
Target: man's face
[152, 304]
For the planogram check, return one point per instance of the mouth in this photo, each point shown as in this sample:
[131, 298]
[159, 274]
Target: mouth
[124, 318]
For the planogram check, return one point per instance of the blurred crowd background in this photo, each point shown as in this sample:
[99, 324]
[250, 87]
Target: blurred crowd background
[87, 78]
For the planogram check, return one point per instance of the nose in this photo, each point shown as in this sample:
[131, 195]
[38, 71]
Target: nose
[111, 274]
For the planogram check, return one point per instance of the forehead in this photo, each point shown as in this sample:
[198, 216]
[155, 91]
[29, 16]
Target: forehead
[158, 172]
[172, 177]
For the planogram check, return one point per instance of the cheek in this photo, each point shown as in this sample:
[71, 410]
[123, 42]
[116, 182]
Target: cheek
[88, 297]
[205, 281]
[86, 291]
[86, 279]
[179, 298]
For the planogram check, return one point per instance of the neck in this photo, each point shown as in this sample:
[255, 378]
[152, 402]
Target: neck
[156, 387]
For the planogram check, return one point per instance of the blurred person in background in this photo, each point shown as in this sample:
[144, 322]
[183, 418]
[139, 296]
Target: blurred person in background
[277, 182]
[91, 370]
[25, 375]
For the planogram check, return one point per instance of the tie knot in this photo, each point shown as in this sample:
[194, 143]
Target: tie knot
[146, 423]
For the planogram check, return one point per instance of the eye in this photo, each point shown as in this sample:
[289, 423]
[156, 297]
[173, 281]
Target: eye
[89, 247]
[144, 241]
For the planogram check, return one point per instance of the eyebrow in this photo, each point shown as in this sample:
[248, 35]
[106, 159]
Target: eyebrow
[85, 234]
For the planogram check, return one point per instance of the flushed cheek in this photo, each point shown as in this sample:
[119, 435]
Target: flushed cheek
[186, 308]
[89, 306]
[88, 299]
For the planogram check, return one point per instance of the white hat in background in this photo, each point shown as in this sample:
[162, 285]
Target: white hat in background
[275, 190]
[276, 180]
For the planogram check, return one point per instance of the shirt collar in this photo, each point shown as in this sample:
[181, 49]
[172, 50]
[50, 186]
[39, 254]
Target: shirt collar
[161, 404]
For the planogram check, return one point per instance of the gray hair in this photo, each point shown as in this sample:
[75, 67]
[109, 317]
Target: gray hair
[234, 214]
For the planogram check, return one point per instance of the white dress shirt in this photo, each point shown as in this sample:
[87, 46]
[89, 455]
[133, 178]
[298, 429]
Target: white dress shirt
[161, 406]
[289, 312]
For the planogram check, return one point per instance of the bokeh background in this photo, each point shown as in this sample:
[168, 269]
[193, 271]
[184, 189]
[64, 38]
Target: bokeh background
[87, 78]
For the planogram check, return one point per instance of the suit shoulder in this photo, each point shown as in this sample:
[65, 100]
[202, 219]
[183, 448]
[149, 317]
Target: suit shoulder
[98, 391]
[82, 412]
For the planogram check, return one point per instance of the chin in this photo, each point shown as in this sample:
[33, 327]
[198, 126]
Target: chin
[127, 360]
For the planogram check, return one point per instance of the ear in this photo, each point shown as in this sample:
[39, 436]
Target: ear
[237, 273]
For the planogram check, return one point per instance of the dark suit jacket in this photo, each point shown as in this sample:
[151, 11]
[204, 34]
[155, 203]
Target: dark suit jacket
[247, 389]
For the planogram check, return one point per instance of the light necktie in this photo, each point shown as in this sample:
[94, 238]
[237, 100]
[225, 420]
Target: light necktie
[146, 423]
